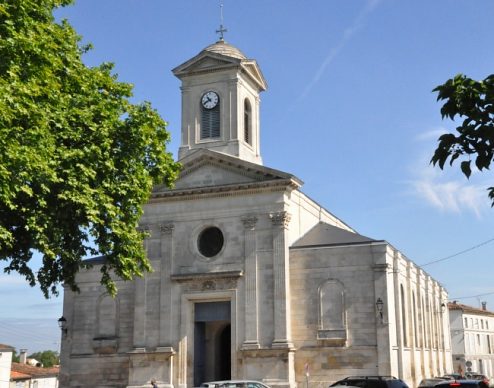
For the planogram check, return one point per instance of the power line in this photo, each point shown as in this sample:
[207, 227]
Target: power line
[459, 253]
[473, 296]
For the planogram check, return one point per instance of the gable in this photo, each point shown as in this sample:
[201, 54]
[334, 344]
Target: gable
[208, 63]
[210, 174]
[204, 171]
[206, 168]
[205, 61]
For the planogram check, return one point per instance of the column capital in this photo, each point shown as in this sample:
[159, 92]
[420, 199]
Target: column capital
[167, 228]
[281, 219]
[249, 222]
[144, 228]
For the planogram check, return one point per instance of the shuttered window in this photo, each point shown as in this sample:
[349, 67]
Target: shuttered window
[210, 122]
[247, 122]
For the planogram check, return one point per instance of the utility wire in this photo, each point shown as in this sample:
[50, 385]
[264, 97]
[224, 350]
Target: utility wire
[473, 296]
[459, 253]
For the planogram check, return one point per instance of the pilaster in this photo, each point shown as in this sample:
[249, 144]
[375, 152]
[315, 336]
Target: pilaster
[282, 317]
[140, 301]
[166, 305]
[251, 292]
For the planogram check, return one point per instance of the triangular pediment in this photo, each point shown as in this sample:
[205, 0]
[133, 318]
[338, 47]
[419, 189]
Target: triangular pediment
[251, 67]
[208, 61]
[205, 61]
[206, 169]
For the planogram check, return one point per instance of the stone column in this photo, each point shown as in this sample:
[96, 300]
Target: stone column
[251, 293]
[166, 305]
[281, 275]
[140, 303]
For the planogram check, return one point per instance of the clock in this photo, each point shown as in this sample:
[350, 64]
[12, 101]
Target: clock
[209, 100]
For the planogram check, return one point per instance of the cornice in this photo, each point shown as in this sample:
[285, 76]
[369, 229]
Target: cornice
[224, 191]
[216, 69]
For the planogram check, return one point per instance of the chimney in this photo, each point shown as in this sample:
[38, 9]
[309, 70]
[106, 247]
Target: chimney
[484, 306]
[23, 356]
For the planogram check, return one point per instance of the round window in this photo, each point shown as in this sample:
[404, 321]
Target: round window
[210, 241]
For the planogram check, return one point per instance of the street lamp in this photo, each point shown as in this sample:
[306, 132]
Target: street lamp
[62, 324]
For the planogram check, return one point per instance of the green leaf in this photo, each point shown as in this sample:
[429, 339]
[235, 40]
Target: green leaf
[465, 168]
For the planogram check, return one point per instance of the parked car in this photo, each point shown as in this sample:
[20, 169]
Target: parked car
[462, 383]
[454, 376]
[234, 384]
[432, 381]
[371, 382]
[477, 376]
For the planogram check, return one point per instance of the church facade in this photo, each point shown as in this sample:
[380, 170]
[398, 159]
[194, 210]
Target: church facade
[252, 279]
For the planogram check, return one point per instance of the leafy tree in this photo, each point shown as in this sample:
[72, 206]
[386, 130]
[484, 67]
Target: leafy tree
[77, 158]
[48, 358]
[473, 102]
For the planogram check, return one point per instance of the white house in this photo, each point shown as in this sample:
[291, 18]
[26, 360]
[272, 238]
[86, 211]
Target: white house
[472, 338]
[6, 352]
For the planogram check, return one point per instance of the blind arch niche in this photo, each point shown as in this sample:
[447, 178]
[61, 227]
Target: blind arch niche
[332, 313]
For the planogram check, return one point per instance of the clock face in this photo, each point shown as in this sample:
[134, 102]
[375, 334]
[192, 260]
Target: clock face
[209, 100]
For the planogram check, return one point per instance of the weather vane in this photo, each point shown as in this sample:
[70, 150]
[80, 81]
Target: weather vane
[222, 29]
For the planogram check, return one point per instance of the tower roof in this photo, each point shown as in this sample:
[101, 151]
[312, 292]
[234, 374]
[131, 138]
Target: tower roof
[221, 56]
[226, 49]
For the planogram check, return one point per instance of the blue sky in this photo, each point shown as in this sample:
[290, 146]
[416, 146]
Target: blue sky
[349, 110]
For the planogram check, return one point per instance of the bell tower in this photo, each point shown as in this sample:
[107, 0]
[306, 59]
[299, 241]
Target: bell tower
[220, 102]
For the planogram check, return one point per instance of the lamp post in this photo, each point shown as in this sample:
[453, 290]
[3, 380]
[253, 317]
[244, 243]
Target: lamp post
[62, 324]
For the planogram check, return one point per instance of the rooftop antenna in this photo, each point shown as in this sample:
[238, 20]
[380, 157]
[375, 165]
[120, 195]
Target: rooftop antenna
[222, 29]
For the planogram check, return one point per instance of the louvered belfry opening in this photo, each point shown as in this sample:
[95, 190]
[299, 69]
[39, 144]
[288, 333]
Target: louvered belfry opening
[210, 122]
[247, 122]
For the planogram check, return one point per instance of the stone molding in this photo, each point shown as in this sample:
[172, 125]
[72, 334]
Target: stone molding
[382, 267]
[264, 352]
[224, 191]
[281, 219]
[207, 276]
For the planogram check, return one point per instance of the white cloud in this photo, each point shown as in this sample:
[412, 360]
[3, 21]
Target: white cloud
[448, 190]
[432, 134]
[451, 196]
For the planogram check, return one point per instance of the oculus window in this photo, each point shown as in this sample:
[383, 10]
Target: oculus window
[210, 241]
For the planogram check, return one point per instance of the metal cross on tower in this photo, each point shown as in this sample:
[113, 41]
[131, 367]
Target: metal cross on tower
[222, 29]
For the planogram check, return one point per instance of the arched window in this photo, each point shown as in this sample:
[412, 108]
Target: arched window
[210, 121]
[247, 122]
